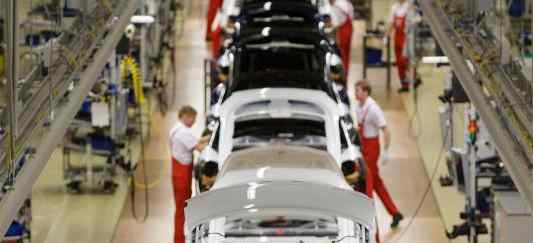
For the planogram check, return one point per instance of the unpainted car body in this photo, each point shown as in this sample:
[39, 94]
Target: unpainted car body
[280, 193]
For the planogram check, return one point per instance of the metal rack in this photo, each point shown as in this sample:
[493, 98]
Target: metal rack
[42, 104]
[500, 94]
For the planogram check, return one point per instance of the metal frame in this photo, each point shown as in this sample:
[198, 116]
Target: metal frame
[12, 73]
[13, 199]
[512, 151]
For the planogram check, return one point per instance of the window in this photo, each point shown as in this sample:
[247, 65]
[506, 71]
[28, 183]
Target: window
[279, 67]
[299, 132]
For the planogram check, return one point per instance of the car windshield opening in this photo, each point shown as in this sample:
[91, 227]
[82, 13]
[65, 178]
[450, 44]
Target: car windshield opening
[279, 67]
[279, 131]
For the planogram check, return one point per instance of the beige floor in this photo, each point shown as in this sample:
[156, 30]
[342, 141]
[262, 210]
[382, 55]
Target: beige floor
[93, 220]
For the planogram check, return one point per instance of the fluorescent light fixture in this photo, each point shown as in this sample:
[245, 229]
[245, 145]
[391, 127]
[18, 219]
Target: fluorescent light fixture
[266, 31]
[435, 60]
[142, 19]
[251, 192]
[261, 172]
[249, 206]
[268, 6]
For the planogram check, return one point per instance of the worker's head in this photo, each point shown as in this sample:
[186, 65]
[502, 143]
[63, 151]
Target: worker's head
[208, 174]
[336, 69]
[362, 90]
[350, 170]
[223, 74]
[223, 64]
[187, 115]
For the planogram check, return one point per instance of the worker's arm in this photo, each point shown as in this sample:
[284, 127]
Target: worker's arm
[386, 137]
[202, 143]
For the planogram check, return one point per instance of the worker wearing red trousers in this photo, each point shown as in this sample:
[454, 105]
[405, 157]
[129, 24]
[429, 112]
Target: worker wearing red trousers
[372, 121]
[216, 44]
[182, 145]
[342, 16]
[212, 9]
[397, 29]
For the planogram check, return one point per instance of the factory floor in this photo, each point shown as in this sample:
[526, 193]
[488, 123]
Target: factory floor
[59, 217]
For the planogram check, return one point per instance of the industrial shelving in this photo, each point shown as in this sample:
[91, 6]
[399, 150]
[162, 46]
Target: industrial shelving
[499, 90]
[41, 103]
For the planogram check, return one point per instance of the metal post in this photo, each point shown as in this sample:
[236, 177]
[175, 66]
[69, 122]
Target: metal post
[364, 56]
[471, 7]
[12, 77]
[389, 62]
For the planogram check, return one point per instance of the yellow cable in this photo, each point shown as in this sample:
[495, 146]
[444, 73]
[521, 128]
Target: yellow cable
[146, 185]
[106, 5]
[128, 65]
[2, 64]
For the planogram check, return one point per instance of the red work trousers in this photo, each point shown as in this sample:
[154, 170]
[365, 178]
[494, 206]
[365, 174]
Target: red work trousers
[402, 62]
[216, 44]
[371, 150]
[212, 9]
[344, 40]
[181, 184]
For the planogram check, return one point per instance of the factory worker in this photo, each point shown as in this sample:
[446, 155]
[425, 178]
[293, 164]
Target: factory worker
[208, 175]
[372, 122]
[398, 22]
[342, 16]
[337, 77]
[351, 172]
[212, 9]
[218, 92]
[182, 145]
[224, 22]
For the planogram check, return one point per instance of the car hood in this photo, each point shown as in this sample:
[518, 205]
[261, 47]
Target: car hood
[280, 198]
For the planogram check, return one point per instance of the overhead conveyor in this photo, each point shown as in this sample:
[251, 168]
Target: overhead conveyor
[500, 91]
[53, 94]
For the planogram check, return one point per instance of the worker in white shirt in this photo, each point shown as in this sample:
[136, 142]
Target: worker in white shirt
[182, 144]
[341, 17]
[397, 28]
[372, 122]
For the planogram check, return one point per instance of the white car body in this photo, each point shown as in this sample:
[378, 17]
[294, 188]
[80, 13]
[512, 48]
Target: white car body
[281, 103]
[275, 194]
[233, 8]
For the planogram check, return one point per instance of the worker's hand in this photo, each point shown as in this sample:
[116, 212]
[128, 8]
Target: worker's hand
[384, 157]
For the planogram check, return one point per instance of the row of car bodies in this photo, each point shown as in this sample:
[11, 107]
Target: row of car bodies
[281, 130]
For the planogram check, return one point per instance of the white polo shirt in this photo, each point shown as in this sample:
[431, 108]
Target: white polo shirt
[399, 10]
[340, 12]
[182, 143]
[373, 116]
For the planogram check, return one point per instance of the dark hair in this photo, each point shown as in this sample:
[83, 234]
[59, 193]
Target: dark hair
[187, 110]
[210, 169]
[348, 167]
[364, 85]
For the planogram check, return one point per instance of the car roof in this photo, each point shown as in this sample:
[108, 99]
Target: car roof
[247, 3]
[280, 163]
[279, 33]
[280, 156]
[296, 9]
